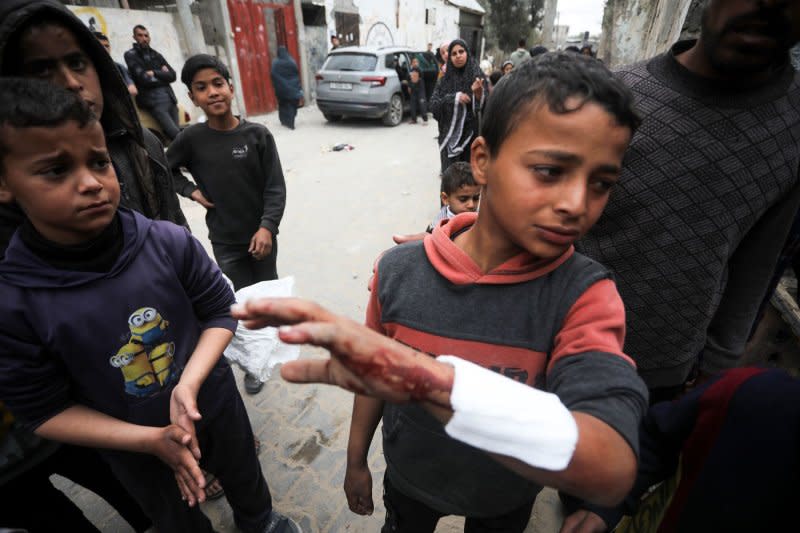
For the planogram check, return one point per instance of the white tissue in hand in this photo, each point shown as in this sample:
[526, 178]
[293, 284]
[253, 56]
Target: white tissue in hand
[257, 351]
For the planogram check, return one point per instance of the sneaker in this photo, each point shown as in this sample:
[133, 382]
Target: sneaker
[279, 523]
[252, 385]
[412, 121]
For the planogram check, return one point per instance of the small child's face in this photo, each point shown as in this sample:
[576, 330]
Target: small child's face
[550, 179]
[415, 63]
[211, 92]
[466, 198]
[62, 178]
[508, 68]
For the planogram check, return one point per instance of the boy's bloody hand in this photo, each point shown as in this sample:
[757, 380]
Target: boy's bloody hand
[170, 444]
[358, 489]
[261, 244]
[362, 360]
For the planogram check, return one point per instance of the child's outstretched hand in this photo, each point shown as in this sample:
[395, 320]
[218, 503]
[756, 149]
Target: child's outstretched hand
[170, 444]
[358, 489]
[362, 360]
[183, 413]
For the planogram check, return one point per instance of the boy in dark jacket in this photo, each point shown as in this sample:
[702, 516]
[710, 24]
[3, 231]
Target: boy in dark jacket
[112, 326]
[238, 177]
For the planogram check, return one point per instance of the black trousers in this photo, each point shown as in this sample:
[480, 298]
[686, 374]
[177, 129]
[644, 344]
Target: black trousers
[418, 103]
[406, 515]
[226, 443]
[166, 114]
[31, 502]
[236, 262]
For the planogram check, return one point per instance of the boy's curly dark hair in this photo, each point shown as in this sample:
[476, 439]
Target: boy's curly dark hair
[456, 176]
[198, 62]
[554, 79]
[31, 103]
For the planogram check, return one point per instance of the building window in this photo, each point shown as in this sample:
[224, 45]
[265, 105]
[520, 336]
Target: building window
[430, 16]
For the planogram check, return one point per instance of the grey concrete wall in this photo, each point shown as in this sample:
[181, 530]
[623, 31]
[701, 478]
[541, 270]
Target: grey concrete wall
[637, 29]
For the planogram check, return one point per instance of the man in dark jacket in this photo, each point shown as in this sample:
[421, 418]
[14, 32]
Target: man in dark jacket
[152, 75]
[41, 38]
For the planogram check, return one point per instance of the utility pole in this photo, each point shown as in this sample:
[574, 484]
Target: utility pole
[550, 10]
[194, 38]
[305, 72]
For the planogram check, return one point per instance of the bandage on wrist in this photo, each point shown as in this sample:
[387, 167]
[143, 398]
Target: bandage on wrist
[503, 416]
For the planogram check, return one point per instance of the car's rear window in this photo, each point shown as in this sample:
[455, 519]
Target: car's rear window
[427, 61]
[350, 62]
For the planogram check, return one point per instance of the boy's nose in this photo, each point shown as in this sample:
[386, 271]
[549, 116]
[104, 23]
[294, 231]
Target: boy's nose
[572, 197]
[88, 182]
[69, 80]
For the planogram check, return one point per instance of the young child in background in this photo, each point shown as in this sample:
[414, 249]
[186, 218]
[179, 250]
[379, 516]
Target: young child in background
[417, 94]
[112, 325]
[237, 178]
[503, 289]
[459, 193]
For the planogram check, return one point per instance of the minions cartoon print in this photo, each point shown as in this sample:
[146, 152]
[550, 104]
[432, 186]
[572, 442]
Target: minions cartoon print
[146, 360]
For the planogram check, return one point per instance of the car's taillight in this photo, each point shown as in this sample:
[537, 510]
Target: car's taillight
[318, 77]
[374, 81]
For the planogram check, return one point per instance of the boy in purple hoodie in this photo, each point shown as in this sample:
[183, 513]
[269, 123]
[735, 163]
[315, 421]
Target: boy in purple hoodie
[112, 325]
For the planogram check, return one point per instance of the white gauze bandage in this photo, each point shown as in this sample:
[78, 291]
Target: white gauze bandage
[500, 415]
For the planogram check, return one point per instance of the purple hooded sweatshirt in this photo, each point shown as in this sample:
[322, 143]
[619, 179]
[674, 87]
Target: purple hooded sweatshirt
[118, 341]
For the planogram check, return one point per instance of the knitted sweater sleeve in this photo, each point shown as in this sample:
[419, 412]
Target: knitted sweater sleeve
[749, 271]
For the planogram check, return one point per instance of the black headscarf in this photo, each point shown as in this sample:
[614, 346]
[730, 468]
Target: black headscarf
[458, 123]
[460, 79]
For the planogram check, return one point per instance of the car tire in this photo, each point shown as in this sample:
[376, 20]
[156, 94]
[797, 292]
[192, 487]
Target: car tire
[332, 118]
[394, 115]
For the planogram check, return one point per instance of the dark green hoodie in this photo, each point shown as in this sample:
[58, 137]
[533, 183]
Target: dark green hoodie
[138, 156]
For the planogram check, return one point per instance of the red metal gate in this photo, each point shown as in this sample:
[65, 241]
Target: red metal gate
[252, 39]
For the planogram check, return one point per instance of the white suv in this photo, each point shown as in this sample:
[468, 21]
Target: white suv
[360, 81]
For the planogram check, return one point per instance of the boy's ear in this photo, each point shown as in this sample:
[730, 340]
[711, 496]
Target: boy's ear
[445, 198]
[191, 97]
[479, 160]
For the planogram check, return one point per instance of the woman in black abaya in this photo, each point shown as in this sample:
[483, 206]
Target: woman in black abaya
[457, 102]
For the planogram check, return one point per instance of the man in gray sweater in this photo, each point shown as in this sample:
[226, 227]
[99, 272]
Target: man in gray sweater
[708, 192]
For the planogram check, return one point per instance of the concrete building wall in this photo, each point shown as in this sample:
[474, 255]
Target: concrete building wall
[401, 22]
[118, 25]
[637, 29]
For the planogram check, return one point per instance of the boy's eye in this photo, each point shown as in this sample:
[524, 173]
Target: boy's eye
[602, 185]
[463, 199]
[102, 164]
[77, 63]
[53, 172]
[548, 172]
